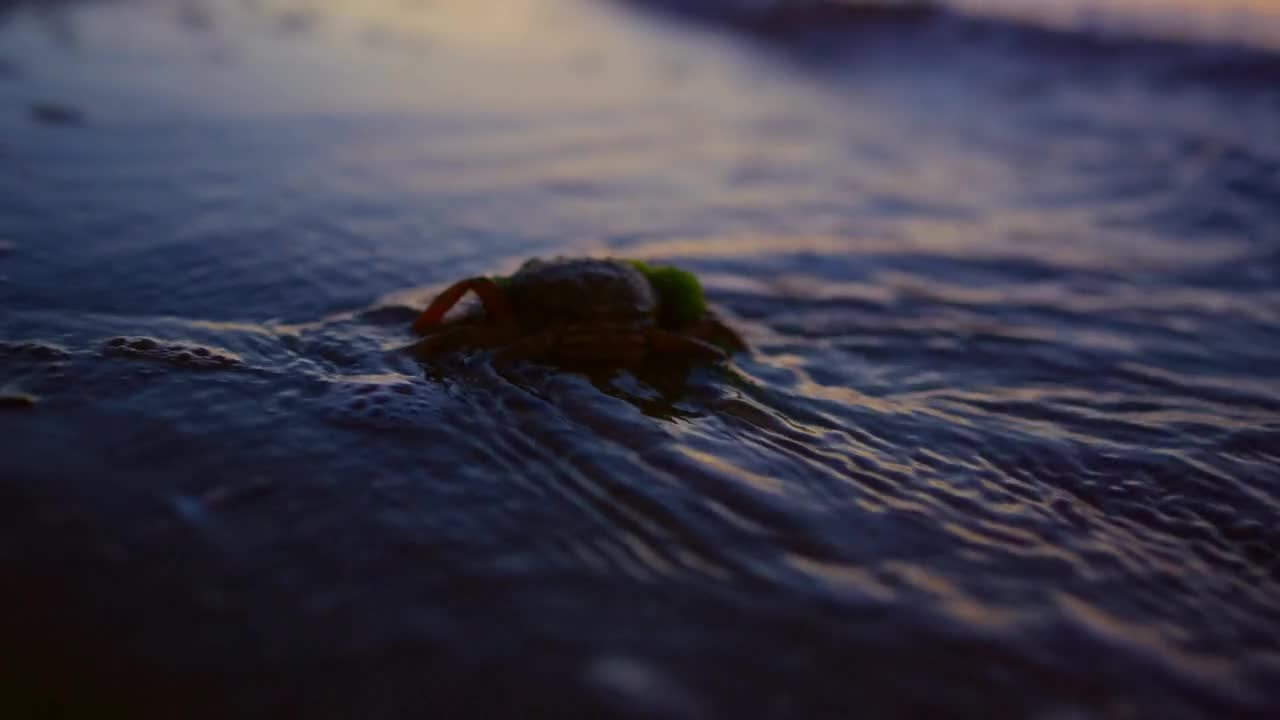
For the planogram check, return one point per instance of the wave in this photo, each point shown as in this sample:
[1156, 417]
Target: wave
[1244, 24]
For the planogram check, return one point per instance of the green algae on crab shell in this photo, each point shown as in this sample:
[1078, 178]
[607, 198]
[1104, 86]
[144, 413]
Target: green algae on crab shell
[680, 294]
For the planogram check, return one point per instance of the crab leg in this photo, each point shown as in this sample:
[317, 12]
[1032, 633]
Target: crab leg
[453, 339]
[713, 330]
[671, 344]
[495, 303]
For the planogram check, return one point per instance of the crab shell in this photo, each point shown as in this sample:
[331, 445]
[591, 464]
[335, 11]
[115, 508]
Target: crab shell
[580, 290]
[572, 312]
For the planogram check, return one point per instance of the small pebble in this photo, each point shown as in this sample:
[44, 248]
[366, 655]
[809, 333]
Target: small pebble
[17, 400]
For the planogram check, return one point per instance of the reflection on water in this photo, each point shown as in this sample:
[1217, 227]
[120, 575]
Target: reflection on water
[1250, 22]
[1006, 441]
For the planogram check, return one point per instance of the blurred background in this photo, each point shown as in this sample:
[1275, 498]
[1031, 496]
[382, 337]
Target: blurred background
[1006, 443]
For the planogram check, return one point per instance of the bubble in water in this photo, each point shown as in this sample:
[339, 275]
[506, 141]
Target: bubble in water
[380, 403]
[32, 350]
[187, 355]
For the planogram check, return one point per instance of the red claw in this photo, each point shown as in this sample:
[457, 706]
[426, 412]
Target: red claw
[495, 303]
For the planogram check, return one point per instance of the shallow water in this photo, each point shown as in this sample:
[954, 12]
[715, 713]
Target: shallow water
[1006, 443]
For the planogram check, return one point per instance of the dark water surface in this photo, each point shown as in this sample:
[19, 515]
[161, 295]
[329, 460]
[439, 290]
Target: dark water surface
[1007, 443]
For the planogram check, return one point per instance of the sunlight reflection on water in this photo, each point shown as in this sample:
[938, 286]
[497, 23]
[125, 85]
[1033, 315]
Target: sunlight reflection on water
[1007, 431]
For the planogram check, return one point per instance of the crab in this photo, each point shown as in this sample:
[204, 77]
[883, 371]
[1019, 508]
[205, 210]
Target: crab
[581, 312]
